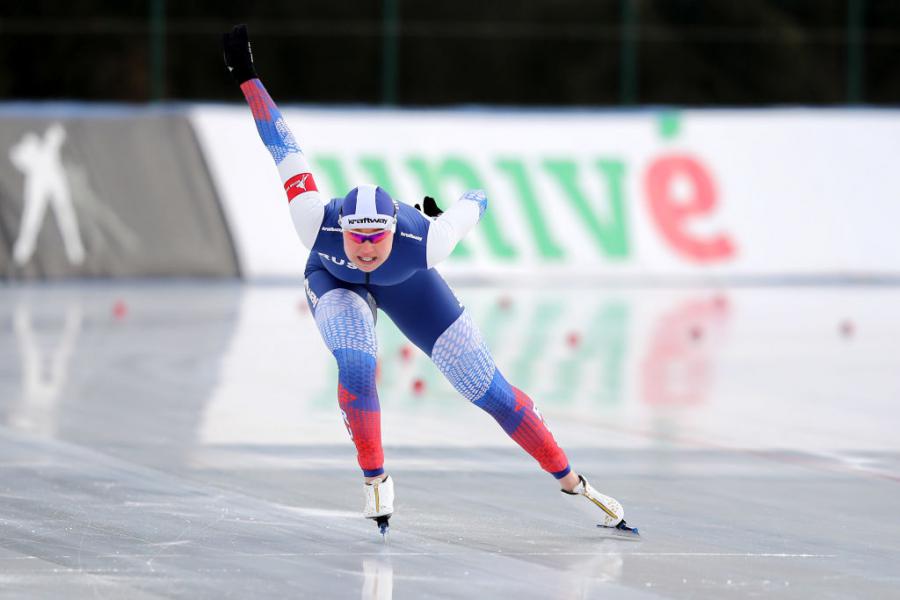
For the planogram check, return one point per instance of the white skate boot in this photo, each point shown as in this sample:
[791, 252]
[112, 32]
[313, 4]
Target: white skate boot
[612, 515]
[380, 502]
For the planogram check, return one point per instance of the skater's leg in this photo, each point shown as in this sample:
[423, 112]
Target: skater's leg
[463, 357]
[461, 354]
[347, 324]
[428, 313]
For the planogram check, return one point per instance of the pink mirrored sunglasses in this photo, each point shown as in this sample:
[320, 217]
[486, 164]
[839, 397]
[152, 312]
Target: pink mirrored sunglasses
[361, 238]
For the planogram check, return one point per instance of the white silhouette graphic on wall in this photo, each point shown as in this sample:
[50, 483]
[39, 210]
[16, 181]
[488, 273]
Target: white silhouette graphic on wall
[45, 183]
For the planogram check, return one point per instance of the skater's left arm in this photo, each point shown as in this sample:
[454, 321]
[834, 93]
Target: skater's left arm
[307, 207]
[452, 225]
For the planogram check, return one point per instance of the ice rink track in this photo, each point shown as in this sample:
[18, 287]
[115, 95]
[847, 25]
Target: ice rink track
[182, 440]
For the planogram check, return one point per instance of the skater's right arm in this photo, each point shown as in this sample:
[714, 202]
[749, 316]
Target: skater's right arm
[448, 227]
[307, 207]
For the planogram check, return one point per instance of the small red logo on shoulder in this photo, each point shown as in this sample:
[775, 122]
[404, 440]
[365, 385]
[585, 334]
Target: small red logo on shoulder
[299, 184]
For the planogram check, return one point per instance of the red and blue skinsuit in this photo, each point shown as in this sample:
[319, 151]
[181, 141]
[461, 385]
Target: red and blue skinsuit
[344, 300]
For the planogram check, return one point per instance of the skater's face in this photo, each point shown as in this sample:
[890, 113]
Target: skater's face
[370, 254]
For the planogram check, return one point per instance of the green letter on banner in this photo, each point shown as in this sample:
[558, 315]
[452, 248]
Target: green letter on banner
[431, 179]
[378, 173]
[546, 245]
[612, 237]
[331, 167]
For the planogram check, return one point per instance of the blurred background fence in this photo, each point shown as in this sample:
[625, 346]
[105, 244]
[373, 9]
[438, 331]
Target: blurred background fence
[443, 52]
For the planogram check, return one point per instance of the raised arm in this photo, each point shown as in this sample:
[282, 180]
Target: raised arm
[307, 207]
[450, 226]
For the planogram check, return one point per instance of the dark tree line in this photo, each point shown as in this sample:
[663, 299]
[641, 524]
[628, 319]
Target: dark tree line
[449, 52]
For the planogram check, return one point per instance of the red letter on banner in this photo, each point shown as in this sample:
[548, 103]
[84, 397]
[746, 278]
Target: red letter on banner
[299, 184]
[672, 213]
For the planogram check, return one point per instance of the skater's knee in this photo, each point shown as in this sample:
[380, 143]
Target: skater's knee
[462, 356]
[345, 321]
[509, 405]
[499, 399]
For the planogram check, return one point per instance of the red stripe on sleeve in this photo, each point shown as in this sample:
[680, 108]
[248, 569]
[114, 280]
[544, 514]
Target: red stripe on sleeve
[299, 184]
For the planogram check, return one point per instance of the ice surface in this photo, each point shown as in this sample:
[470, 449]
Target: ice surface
[190, 446]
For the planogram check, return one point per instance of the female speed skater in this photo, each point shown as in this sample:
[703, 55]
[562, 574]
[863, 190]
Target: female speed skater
[370, 252]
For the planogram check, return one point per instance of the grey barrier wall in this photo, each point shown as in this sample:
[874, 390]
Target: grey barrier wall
[107, 193]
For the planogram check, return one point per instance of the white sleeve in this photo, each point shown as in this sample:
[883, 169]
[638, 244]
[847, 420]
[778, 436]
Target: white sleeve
[306, 204]
[451, 226]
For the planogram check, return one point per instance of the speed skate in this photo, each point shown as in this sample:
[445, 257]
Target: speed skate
[621, 531]
[380, 503]
[612, 515]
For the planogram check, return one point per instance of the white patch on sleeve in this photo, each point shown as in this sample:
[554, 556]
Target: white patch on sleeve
[446, 230]
[307, 213]
[308, 208]
[293, 164]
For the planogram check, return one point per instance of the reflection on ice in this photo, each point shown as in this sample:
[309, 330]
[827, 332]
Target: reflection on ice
[574, 353]
[378, 579]
[221, 366]
[45, 356]
[679, 361]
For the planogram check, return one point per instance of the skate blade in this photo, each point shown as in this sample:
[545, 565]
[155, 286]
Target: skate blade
[621, 531]
[383, 527]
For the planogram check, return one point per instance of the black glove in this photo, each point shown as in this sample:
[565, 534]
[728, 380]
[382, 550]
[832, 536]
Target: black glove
[238, 57]
[431, 207]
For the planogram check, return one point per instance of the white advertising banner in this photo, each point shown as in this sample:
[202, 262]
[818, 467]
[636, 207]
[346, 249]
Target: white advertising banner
[621, 195]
